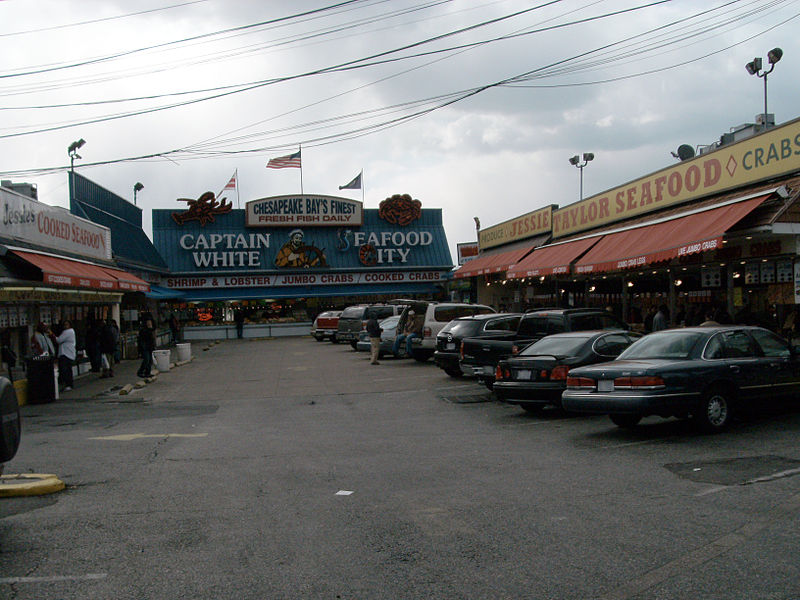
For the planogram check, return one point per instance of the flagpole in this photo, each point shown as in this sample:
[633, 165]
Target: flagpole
[300, 151]
[362, 186]
[236, 174]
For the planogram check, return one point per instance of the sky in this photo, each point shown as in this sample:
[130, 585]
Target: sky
[471, 106]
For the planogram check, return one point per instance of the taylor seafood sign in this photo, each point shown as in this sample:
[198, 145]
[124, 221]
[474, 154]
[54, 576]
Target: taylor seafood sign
[770, 154]
[303, 209]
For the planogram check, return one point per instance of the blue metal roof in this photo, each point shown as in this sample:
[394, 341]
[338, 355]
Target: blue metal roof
[399, 245]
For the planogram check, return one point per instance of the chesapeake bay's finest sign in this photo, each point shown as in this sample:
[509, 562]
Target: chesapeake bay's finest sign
[28, 220]
[770, 154]
[301, 279]
[520, 228]
[305, 209]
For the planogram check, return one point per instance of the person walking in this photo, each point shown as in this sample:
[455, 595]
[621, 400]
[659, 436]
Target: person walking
[238, 318]
[374, 331]
[66, 355]
[108, 345]
[147, 344]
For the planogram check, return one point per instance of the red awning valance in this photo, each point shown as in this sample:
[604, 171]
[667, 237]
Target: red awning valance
[552, 259]
[73, 273]
[491, 263]
[648, 244]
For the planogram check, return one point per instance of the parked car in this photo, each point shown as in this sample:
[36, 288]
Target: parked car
[389, 327]
[10, 430]
[354, 319]
[326, 325]
[706, 373]
[448, 342]
[482, 355]
[435, 315]
[537, 376]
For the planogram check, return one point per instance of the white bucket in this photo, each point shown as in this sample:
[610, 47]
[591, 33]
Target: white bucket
[184, 352]
[161, 359]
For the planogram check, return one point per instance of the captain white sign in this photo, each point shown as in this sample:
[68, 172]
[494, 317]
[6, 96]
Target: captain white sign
[53, 227]
[306, 209]
[239, 281]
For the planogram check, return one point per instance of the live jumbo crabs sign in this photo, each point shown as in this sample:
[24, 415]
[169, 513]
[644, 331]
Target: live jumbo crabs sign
[304, 209]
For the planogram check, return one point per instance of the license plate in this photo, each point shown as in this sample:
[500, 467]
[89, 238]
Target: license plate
[605, 385]
[450, 346]
[524, 374]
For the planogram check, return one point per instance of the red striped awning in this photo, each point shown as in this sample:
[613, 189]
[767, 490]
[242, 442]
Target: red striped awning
[73, 273]
[551, 260]
[491, 263]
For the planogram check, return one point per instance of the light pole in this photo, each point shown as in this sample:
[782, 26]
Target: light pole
[137, 187]
[577, 162]
[72, 151]
[754, 68]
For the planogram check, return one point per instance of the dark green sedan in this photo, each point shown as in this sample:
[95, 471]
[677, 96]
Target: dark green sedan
[705, 373]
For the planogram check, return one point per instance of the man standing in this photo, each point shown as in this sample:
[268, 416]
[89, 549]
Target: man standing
[147, 343]
[238, 318]
[66, 355]
[374, 331]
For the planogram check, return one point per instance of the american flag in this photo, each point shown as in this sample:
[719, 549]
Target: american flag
[231, 185]
[285, 162]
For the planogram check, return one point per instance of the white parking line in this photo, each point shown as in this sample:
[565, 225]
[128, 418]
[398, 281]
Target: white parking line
[87, 577]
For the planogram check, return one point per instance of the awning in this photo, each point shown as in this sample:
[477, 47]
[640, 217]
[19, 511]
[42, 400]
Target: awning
[496, 262]
[690, 234]
[158, 292]
[73, 273]
[552, 259]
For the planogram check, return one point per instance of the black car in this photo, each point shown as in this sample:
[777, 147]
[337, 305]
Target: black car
[448, 341]
[537, 376]
[705, 373]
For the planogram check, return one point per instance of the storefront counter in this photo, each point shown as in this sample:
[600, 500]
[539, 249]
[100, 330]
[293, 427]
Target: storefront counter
[251, 330]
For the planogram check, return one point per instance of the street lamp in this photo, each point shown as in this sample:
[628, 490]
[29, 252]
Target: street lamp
[73, 152]
[754, 68]
[576, 161]
[137, 187]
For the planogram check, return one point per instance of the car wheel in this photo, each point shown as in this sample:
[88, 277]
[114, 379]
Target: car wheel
[531, 407]
[354, 345]
[319, 338]
[453, 372]
[625, 421]
[421, 356]
[489, 384]
[334, 340]
[714, 411]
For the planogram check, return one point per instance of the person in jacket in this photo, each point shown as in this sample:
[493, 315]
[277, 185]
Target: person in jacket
[374, 332]
[661, 318]
[412, 329]
[42, 341]
[146, 343]
[108, 345]
[66, 355]
[93, 331]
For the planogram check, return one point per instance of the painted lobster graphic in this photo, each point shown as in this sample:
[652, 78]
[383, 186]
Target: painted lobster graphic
[203, 209]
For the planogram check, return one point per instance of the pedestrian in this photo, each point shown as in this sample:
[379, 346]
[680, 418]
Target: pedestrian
[661, 318]
[117, 349]
[108, 344]
[93, 344]
[42, 341]
[174, 328]
[374, 330]
[238, 317]
[411, 330]
[66, 355]
[147, 344]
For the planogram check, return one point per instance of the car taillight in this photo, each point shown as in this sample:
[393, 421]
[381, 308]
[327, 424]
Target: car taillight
[461, 351]
[498, 373]
[559, 373]
[647, 382]
[580, 382]
[427, 332]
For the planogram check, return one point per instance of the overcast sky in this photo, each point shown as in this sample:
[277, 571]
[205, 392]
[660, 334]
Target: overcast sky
[517, 87]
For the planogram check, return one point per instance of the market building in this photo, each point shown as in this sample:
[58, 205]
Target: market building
[54, 266]
[716, 234]
[281, 260]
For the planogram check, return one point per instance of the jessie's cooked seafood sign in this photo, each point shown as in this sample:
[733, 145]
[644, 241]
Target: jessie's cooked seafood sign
[306, 209]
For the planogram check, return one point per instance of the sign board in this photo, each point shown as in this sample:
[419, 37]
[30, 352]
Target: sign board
[765, 156]
[248, 281]
[528, 225]
[27, 220]
[467, 251]
[303, 209]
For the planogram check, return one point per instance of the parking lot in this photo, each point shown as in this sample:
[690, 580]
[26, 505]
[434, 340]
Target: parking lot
[288, 468]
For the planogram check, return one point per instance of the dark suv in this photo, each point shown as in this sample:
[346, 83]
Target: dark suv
[448, 342]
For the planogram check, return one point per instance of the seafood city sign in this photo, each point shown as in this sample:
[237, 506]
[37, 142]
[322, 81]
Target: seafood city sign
[304, 209]
[31, 221]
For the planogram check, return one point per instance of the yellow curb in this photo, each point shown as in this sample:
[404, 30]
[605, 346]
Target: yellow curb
[29, 484]
[126, 390]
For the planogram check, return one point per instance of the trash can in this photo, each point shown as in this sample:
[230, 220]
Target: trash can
[161, 359]
[184, 352]
[41, 379]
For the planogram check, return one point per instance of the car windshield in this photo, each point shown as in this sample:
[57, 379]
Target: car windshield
[354, 312]
[667, 344]
[389, 323]
[462, 328]
[556, 345]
